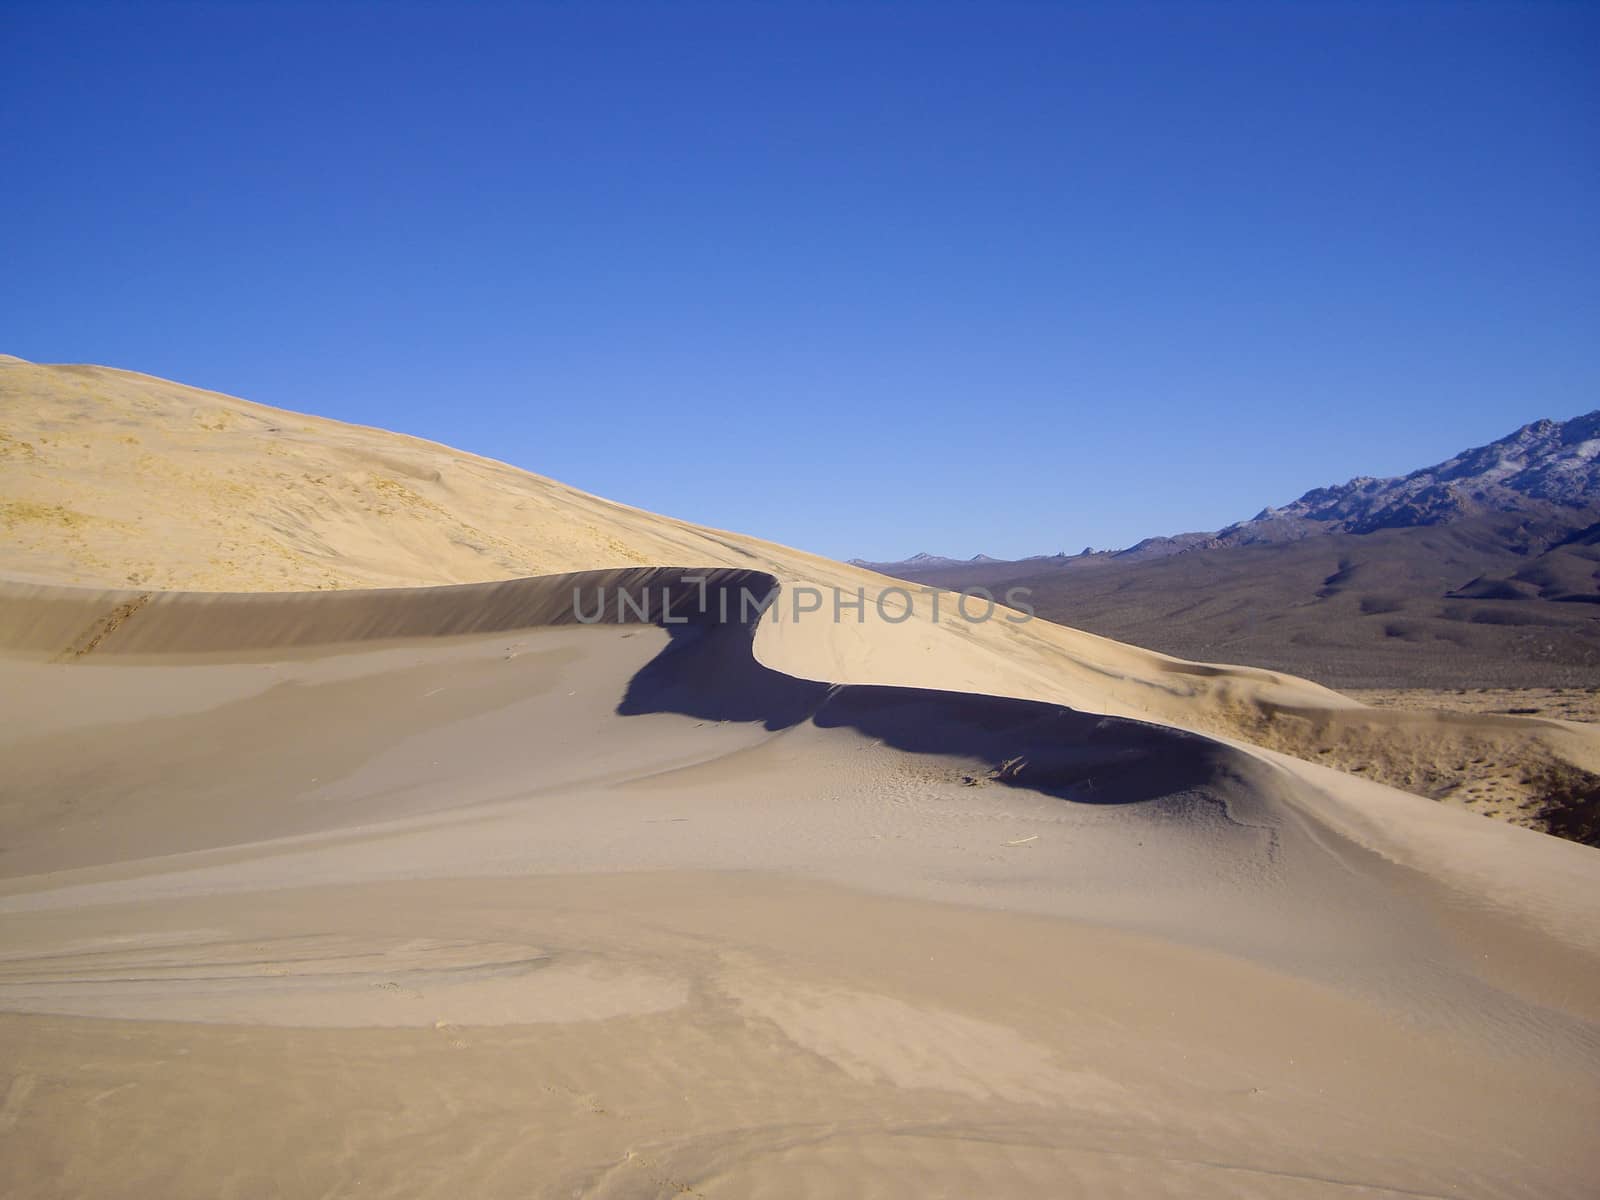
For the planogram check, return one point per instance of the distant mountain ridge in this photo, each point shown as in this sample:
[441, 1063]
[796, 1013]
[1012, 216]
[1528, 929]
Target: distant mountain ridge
[1541, 469]
[1543, 463]
[1482, 570]
[924, 559]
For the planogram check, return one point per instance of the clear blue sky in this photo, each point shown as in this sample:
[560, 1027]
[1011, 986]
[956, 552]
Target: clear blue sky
[863, 278]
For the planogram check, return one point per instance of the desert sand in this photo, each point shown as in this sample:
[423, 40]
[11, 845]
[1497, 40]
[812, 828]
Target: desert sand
[417, 883]
[1564, 704]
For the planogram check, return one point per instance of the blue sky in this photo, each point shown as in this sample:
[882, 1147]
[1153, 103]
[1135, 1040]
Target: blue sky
[864, 278]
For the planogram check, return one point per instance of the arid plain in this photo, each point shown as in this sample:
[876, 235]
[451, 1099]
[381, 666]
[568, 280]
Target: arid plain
[342, 857]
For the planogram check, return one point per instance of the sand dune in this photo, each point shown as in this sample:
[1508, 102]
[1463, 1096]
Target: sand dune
[400, 890]
[862, 928]
[134, 485]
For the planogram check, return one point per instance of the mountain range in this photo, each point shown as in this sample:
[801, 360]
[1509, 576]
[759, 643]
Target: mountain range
[1477, 571]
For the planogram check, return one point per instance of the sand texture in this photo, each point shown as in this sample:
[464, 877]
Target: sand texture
[417, 884]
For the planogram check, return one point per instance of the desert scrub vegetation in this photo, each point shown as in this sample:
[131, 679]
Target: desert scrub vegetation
[1569, 802]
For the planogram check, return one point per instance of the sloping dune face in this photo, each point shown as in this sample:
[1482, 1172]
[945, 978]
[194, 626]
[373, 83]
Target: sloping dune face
[114, 480]
[453, 886]
[604, 883]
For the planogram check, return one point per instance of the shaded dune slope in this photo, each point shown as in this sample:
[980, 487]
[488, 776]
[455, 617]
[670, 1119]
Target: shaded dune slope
[707, 668]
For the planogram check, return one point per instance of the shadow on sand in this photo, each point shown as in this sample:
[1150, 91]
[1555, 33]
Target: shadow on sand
[709, 671]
